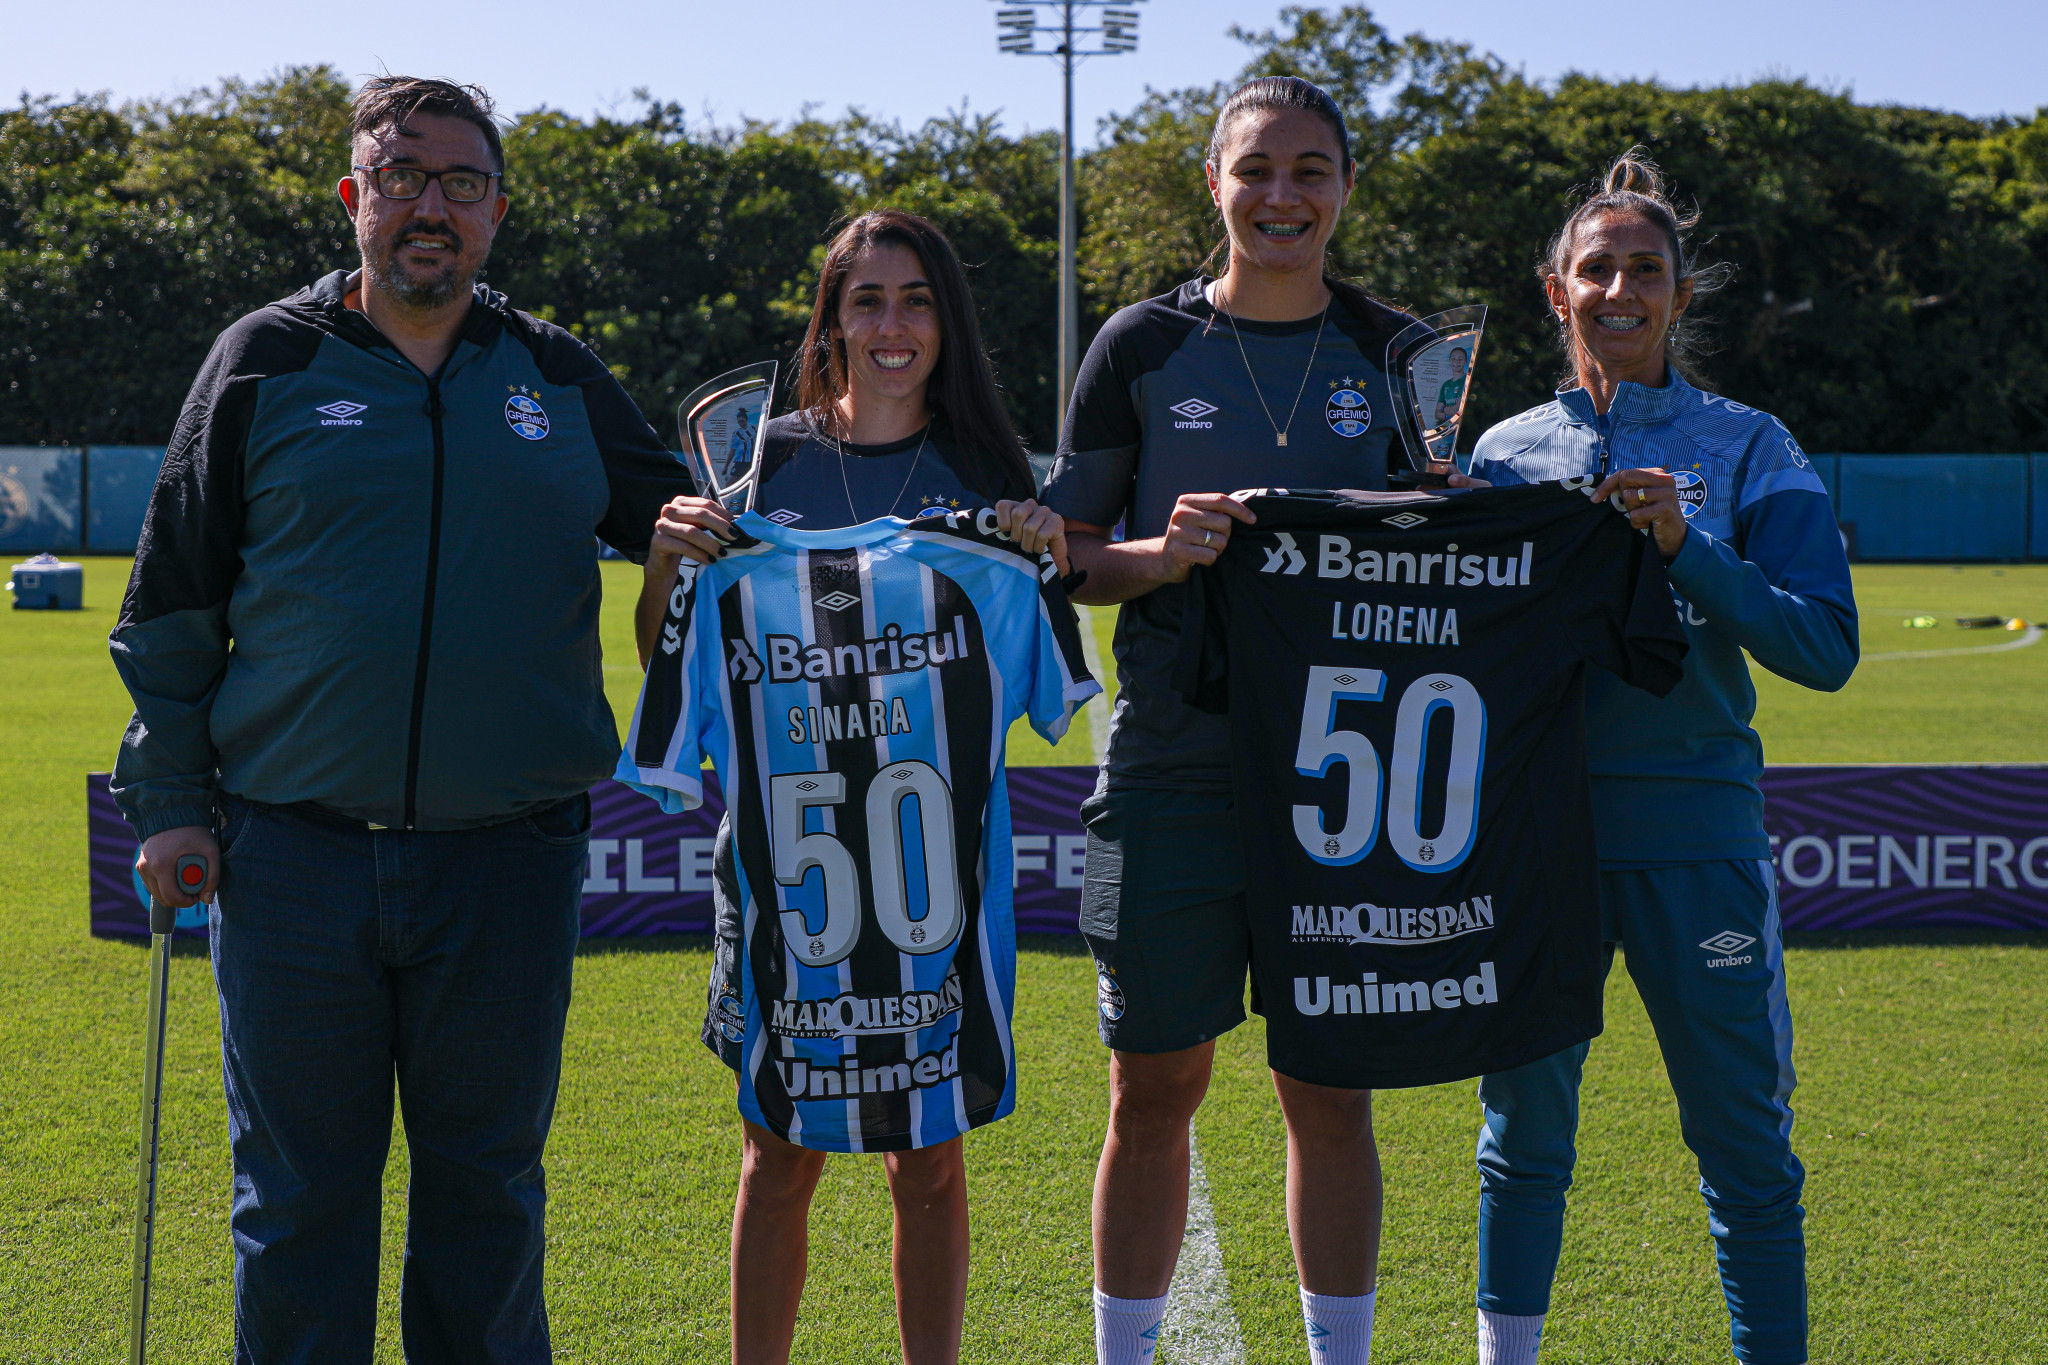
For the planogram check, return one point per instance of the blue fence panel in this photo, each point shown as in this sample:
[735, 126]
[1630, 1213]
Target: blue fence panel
[2038, 506]
[1935, 506]
[1828, 467]
[117, 486]
[39, 497]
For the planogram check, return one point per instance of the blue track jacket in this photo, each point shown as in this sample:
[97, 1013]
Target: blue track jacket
[1762, 570]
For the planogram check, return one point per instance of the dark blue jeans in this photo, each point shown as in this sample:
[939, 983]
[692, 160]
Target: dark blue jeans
[349, 958]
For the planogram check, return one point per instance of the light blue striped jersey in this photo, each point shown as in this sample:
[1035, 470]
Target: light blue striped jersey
[854, 688]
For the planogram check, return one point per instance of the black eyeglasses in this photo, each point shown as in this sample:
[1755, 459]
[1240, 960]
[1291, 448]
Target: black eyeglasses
[410, 182]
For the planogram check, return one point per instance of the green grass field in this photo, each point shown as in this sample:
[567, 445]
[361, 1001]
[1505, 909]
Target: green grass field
[1921, 1063]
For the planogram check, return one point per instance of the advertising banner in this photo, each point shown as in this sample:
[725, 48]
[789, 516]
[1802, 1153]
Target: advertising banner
[1856, 848]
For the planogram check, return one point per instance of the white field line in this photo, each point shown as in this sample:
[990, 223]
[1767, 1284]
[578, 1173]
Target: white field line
[1201, 1328]
[1095, 710]
[2032, 636]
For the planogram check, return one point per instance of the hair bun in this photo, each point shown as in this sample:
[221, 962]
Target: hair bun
[1634, 173]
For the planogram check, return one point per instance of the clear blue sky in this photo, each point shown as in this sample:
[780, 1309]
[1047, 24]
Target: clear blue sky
[768, 58]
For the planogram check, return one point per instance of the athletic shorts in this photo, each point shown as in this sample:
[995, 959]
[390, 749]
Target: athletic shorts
[1163, 910]
[725, 1020]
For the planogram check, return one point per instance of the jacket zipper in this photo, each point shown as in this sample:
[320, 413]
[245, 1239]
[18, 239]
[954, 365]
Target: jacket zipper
[419, 677]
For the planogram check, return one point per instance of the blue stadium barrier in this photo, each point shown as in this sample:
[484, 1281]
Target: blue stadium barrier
[2037, 542]
[1898, 507]
[118, 480]
[1829, 468]
[1942, 507]
[41, 497]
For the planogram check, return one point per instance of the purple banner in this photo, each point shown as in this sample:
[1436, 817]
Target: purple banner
[1895, 848]
[1857, 848]
[650, 872]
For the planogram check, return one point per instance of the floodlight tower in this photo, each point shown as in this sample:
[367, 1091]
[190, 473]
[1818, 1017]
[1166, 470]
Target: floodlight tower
[1017, 30]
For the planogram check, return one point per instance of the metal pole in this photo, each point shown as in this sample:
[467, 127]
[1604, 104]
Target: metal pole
[1070, 293]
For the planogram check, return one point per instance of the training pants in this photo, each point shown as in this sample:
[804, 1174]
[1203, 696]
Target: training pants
[1703, 947]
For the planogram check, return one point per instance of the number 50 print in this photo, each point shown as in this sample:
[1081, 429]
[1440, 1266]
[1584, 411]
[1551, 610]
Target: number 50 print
[796, 853]
[1322, 744]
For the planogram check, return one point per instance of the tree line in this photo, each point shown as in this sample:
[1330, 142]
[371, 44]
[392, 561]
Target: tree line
[1890, 262]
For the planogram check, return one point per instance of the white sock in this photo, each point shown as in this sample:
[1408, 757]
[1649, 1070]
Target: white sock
[1508, 1340]
[1127, 1330]
[1339, 1328]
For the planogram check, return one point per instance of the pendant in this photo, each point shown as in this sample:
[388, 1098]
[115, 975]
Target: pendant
[1279, 438]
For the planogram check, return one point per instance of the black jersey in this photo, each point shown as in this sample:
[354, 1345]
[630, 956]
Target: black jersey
[1404, 679]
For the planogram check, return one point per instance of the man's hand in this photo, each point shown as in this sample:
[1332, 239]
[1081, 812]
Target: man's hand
[157, 863]
[1197, 533]
[1035, 528]
[1649, 498]
[1468, 481]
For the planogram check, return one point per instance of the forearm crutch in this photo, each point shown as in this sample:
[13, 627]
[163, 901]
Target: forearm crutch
[191, 873]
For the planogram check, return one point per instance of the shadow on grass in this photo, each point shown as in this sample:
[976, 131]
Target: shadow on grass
[1917, 938]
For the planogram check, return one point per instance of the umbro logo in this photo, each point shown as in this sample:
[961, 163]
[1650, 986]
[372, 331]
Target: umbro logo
[784, 517]
[342, 413]
[1404, 520]
[1728, 944]
[1192, 412]
[836, 601]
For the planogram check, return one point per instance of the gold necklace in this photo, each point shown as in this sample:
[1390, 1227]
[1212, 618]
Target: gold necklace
[1279, 432]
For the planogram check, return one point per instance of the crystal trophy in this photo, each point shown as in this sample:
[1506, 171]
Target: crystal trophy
[1429, 368]
[723, 423]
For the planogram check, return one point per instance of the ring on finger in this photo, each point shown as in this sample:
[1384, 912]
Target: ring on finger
[1205, 537]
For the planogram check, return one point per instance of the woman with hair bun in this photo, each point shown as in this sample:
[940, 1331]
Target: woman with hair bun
[1267, 376]
[1686, 877]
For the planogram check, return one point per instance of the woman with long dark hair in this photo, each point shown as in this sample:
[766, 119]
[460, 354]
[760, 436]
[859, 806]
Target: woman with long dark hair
[1686, 878]
[897, 415]
[1267, 376]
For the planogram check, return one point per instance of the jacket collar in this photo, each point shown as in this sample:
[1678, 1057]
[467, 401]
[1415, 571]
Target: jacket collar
[328, 295]
[1632, 402]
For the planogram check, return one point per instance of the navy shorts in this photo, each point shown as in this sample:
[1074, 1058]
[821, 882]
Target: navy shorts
[1163, 910]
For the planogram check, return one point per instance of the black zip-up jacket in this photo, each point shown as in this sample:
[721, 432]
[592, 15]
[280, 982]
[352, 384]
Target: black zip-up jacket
[361, 586]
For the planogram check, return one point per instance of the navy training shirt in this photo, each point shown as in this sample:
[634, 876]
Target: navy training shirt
[811, 486]
[1163, 406]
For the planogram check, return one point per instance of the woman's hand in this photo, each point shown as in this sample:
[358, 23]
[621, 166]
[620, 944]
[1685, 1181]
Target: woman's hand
[1649, 498]
[695, 529]
[1197, 532]
[688, 528]
[1035, 529]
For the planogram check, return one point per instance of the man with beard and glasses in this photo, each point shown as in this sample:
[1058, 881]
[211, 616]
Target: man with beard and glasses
[362, 642]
